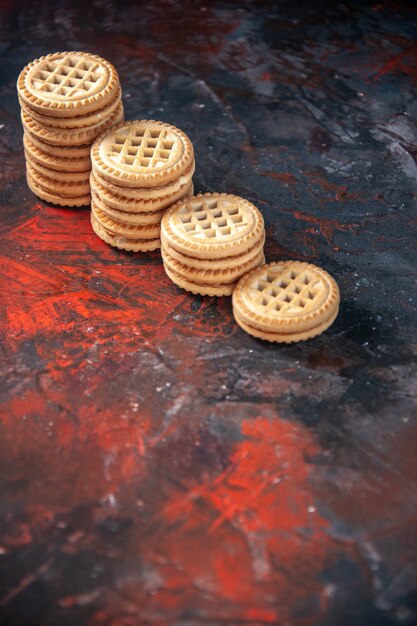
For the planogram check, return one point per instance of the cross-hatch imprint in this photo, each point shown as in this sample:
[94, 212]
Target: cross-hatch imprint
[142, 148]
[288, 291]
[68, 77]
[213, 219]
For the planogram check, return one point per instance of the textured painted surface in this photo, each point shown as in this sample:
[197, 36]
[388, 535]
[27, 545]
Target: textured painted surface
[157, 465]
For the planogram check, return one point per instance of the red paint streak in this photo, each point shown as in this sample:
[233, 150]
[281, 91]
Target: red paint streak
[20, 535]
[134, 49]
[285, 177]
[326, 227]
[81, 600]
[102, 287]
[180, 26]
[27, 403]
[238, 534]
[340, 191]
[405, 62]
[247, 492]
[266, 76]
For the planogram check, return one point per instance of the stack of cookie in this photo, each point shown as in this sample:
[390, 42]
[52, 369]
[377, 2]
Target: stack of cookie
[210, 241]
[138, 170]
[286, 302]
[68, 99]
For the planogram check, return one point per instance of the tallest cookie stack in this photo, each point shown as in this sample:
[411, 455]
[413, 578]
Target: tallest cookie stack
[68, 99]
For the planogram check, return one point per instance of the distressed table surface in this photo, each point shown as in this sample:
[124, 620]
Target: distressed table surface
[157, 465]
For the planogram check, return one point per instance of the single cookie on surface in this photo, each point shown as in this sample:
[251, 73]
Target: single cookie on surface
[67, 84]
[142, 153]
[286, 302]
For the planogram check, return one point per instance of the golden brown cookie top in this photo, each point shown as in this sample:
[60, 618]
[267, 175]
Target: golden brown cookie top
[142, 153]
[68, 83]
[212, 225]
[288, 296]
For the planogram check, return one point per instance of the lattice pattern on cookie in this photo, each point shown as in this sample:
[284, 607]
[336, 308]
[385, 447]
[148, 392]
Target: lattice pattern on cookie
[142, 147]
[288, 291]
[68, 76]
[212, 218]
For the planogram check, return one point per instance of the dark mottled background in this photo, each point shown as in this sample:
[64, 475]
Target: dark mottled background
[157, 465]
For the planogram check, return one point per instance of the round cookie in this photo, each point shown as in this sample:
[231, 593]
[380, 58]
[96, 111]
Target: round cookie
[285, 338]
[57, 163]
[142, 153]
[203, 290]
[225, 275]
[80, 152]
[56, 199]
[85, 121]
[138, 219]
[59, 177]
[212, 226]
[130, 231]
[286, 299]
[132, 200]
[147, 193]
[118, 241]
[214, 264]
[57, 188]
[66, 84]
[71, 136]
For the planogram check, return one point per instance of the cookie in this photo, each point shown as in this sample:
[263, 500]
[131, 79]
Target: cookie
[66, 84]
[58, 188]
[142, 153]
[130, 231]
[138, 219]
[56, 199]
[120, 197]
[118, 241]
[148, 193]
[87, 120]
[285, 338]
[71, 136]
[225, 275]
[53, 162]
[80, 152]
[214, 264]
[197, 289]
[212, 226]
[286, 301]
[64, 177]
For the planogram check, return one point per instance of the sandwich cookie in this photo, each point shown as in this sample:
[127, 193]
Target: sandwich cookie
[286, 302]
